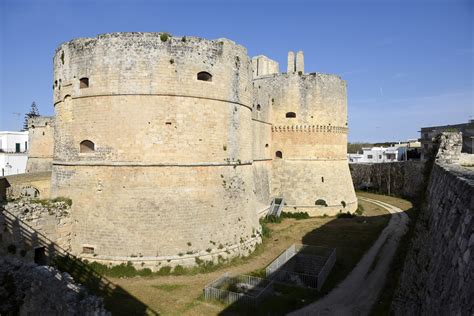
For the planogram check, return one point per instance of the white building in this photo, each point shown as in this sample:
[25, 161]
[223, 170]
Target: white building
[379, 154]
[13, 152]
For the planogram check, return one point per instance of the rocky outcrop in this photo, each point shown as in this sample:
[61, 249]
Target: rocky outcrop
[438, 275]
[28, 289]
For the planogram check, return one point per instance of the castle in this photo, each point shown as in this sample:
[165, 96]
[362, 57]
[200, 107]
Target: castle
[171, 148]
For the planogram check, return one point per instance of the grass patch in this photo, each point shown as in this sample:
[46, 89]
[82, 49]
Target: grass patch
[168, 287]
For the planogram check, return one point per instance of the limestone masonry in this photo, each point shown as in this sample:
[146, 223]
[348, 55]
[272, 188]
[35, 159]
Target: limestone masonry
[172, 147]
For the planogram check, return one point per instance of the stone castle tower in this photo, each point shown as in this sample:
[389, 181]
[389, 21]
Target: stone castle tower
[171, 147]
[40, 134]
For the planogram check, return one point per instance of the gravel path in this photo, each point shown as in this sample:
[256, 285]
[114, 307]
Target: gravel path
[359, 291]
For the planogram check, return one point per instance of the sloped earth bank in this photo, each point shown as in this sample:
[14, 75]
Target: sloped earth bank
[359, 291]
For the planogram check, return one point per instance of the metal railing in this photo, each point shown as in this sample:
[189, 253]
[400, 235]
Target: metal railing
[242, 289]
[303, 265]
[276, 207]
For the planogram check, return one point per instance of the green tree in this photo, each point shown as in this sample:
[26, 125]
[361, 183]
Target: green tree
[32, 113]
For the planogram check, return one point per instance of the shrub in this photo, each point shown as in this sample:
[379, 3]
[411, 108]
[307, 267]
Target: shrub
[360, 210]
[266, 232]
[164, 37]
[183, 39]
[345, 215]
[66, 200]
[164, 271]
[295, 215]
[179, 270]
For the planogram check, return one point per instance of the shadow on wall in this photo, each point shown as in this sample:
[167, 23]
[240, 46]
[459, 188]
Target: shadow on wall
[18, 238]
[351, 237]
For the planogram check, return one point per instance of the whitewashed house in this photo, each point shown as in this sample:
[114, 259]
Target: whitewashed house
[379, 154]
[13, 152]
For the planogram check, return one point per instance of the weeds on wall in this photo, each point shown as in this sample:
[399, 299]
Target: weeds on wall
[164, 36]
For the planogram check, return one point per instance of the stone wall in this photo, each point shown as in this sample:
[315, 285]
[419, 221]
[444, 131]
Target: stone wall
[438, 274]
[404, 178]
[26, 225]
[34, 185]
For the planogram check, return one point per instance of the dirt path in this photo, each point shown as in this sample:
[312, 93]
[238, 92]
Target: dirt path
[358, 292]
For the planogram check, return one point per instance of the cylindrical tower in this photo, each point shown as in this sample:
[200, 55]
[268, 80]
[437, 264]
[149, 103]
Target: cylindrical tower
[153, 145]
[309, 141]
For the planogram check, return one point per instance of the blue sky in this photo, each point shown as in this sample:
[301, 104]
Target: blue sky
[407, 63]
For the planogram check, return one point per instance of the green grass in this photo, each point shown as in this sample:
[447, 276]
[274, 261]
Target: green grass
[168, 287]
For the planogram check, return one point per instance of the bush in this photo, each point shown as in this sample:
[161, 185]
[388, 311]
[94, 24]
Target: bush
[360, 210]
[295, 215]
[68, 201]
[164, 271]
[345, 215]
[266, 232]
[164, 37]
[179, 270]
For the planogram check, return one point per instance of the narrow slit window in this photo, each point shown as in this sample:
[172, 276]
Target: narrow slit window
[204, 76]
[259, 107]
[84, 83]
[290, 114]
[279, 154]
[87, 146]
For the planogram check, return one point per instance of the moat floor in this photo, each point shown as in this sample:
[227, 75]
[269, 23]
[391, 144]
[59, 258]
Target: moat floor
[182, 295]
[359, 291]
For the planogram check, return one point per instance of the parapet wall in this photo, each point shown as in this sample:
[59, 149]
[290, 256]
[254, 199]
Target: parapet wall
[438, 274]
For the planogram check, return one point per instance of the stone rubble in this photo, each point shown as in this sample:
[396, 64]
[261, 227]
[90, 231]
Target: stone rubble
[29, 289]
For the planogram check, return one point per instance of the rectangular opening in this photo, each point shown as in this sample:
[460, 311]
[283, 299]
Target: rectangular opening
[40, 256]
[88, 250]
[17, 147]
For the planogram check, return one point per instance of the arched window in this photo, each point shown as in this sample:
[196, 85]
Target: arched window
[291, 114]
[320, 202]
[259, 107]
[279, 154]
[84, 83]
[87, 146]
[204, 76]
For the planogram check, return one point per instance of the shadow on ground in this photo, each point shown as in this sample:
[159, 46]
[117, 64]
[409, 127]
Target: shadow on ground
[28, 241]
[351, 237]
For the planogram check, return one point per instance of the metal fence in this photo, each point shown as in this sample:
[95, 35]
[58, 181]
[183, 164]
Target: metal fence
[303, 266]
[243, 289]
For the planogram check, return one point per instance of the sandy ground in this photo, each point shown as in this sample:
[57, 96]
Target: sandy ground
[359, 291]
